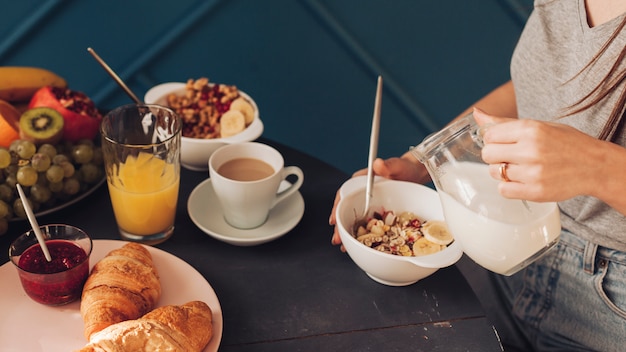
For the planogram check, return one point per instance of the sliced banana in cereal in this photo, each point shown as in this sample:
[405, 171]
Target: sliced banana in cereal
[437, 232]
[424, 247]
[245, 107]
[231, 123]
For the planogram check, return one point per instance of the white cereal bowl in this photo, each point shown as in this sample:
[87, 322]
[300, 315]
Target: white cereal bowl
[389, 269]
[195, 152]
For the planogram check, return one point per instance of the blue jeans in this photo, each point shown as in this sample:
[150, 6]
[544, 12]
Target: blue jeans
[571, 299]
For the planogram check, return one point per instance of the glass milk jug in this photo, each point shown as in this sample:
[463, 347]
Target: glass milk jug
[500, 234]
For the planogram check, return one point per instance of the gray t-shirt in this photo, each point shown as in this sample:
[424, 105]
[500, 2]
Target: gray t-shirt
[555, 45]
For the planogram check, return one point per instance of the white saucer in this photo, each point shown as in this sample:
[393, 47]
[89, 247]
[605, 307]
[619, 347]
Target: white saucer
[205, 211]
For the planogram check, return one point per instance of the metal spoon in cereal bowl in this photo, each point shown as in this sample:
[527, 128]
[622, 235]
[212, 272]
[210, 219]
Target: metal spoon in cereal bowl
[373, 150]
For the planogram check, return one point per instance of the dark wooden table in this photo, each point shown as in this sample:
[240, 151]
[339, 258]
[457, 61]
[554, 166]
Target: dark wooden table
[300, 293]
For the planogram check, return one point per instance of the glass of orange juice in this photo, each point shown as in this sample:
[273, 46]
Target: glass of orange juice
[141, 149]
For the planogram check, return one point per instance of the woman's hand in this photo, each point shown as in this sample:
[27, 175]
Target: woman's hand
[405, 168]
[546, 161]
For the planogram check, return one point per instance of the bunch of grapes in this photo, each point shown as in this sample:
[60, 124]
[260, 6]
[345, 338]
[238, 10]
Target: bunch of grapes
[49, 174]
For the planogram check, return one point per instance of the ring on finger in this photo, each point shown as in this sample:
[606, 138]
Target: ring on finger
[502, 169]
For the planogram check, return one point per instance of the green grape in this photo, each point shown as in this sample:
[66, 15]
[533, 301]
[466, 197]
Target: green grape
[6, 193]
[5, 158]
[27, 176]
[55, 173]
[26, 149]
[68, 169]
[87, 142]
[79, 176]
[82, 153]
[56, 187]
[41, 179]
[4, 226]
[14, 144]
[11, 180]
[14, 158]
[18, 207]
[71, 186]
[60, 158]
[40, 193]
[64, 147]
[98, 158]
[34, 205]
[40, 162]
[47, 148]
[11, 169]
[4, 209]
[91, 173]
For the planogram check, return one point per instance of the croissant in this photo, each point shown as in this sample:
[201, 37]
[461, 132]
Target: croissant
[123, 285]
[169, 328]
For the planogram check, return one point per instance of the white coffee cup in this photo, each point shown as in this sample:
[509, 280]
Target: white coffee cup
[246, 178]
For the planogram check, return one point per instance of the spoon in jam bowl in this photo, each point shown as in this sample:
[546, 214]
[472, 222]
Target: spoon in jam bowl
[33, 223]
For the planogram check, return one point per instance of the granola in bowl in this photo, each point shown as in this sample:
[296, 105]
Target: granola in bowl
[211, 110]
[213, 115]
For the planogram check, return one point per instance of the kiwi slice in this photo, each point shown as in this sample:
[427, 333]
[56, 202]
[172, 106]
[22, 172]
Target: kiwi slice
[41, 125]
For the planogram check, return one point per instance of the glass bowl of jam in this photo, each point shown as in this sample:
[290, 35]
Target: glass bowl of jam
[61, 280]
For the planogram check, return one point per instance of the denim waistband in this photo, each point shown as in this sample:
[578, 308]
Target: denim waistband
[591, 252]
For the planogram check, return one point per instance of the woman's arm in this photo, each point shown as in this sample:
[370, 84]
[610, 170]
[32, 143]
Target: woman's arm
[498, 102]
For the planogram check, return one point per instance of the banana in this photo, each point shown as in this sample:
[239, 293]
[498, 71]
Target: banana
[437, 232]
[231, 123]
[245, 107]
[19, 83]
[424, 247]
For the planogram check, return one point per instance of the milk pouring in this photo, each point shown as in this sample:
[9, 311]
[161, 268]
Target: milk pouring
[502, 235]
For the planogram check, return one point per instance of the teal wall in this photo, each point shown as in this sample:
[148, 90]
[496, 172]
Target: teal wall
[311, 65]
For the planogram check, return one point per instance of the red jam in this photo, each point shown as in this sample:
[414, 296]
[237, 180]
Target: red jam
[59, 281]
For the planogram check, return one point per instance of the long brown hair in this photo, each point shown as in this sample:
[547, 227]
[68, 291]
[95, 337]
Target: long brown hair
[607, 85]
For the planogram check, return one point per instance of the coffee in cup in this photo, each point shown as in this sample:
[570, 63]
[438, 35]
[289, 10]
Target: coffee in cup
[245, 169]
[246, 178]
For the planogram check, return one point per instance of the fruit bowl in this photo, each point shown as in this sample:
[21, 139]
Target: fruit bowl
[390, 269]
[48, 143]
[195, 152]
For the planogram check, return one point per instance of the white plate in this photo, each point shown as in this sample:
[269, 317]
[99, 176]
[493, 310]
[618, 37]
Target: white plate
[205, 211]
[30, 326]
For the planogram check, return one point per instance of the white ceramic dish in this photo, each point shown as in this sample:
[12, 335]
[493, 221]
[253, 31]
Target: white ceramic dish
[389, 269]
[29, 326]
[195, 152]
[206, 212]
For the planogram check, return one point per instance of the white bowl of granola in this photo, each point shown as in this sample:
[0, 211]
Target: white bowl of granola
[211, 117]
[383, 258]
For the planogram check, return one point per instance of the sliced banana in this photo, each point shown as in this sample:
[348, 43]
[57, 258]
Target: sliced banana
[424, 247]
[245, 107]
[231, 123]
[437, 232]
